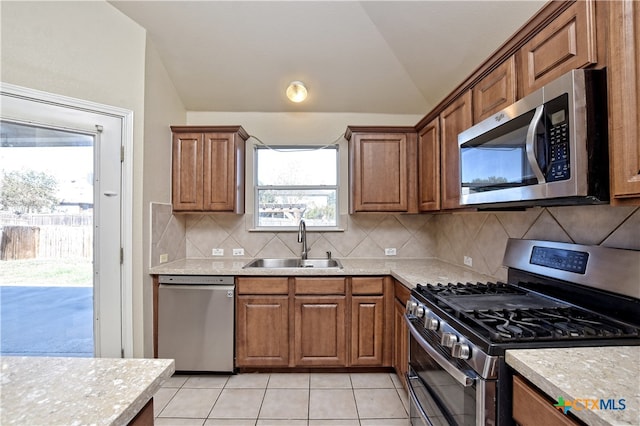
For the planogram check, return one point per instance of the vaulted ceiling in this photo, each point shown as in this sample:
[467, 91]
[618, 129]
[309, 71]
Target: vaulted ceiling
[398, 57]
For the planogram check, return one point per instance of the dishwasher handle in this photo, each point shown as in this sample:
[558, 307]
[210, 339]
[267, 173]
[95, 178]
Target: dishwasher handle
[228, 288]
[197, 279]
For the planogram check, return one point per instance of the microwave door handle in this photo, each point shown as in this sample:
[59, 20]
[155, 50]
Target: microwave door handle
[458, 375]
[532, 156]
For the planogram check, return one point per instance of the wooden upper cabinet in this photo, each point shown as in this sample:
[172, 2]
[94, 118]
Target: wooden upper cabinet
[454, 119]
[429, 167]
[624, 101]
[208, 168]
[496, 91]
[382, 169]
[566, 43]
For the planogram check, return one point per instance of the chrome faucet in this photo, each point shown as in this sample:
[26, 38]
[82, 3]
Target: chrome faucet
[302, 238]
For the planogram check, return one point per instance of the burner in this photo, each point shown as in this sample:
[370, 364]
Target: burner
[460, 289]
[546, 324]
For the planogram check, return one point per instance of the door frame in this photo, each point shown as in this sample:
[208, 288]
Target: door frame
[126, 223]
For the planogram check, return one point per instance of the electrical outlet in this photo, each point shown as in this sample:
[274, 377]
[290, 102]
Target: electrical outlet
[164, 258]
[217, 252]
[390, 251]
[468, 261]
[238, 252]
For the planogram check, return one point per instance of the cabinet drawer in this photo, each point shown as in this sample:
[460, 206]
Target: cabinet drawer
[262, 285]
[319, 286]
[530, 407]
[367, 285]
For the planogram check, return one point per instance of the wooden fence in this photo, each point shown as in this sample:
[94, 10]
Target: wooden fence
[51, 241]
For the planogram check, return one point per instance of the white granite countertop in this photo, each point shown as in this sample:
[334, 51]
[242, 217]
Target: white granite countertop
[408, 271]
[77, 391]
[586, 373]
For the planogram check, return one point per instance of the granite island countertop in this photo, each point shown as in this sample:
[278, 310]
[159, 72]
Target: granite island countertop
[586, 373]
[77, 391]
[408, 271]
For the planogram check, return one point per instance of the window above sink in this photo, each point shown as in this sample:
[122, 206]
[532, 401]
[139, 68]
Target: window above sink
[293, 183]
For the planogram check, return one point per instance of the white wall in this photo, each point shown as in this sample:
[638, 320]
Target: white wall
[163, 108]
[90, 51]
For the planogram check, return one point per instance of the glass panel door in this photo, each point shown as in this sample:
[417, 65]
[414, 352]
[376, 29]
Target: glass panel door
[46, 254]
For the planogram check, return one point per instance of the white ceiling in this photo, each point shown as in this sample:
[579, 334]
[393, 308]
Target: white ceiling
[400, 57]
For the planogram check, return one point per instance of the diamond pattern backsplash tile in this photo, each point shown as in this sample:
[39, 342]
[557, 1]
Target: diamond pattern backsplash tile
[450, 236]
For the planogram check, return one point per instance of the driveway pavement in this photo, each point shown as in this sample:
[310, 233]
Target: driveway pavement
[46, 321]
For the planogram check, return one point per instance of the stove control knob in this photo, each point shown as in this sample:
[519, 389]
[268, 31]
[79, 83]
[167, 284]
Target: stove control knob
[461, 350]
[411, 307]
[448, 339]
[420, 310]
[431, 324]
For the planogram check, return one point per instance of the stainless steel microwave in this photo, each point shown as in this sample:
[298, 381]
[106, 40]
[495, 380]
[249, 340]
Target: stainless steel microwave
[549, 148]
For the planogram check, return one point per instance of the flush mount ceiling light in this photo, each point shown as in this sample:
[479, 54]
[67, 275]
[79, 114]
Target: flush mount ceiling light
[296, 92]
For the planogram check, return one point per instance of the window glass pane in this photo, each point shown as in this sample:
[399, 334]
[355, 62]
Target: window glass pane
[285, 207]
[291, 167]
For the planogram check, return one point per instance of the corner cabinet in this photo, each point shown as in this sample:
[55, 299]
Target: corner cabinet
[624, 101]
[429, 167]
[382, 169]
[401, 332]
[208, 168]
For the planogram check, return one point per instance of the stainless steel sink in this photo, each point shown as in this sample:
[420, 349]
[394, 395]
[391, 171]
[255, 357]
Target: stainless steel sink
[294, 263]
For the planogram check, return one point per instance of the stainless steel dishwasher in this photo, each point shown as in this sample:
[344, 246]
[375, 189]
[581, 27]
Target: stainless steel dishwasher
[196, 322]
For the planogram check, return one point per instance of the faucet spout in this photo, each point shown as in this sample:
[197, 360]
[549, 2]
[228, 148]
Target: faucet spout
[302, 238]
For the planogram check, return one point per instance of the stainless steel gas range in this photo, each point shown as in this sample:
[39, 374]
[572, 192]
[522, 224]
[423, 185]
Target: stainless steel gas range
[556, 295]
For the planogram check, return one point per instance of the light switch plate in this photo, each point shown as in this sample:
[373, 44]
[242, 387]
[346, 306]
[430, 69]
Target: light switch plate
[468, 261]
[217, 252]
[390, 251]
[164, 258]
[238, 252]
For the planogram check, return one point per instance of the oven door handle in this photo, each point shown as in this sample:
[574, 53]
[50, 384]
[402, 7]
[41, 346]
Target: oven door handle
[414, 398]
[458, 375]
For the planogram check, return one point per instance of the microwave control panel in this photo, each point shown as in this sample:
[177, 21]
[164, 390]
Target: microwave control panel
[557, 123]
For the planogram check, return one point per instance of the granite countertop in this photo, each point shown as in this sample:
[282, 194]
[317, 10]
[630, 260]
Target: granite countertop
[408, 271]
[586, 373]
[75, 391]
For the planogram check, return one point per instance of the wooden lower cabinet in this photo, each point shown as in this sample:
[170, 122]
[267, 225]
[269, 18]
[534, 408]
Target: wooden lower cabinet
[532, 408]
[319, 333]
[400, 333]
[314, 322]
[367, 330]
[262, 331]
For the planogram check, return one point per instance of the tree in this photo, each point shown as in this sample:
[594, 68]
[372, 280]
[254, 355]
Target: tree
[28, 191]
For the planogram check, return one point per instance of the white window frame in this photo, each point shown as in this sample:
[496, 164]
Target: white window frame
[257, 188]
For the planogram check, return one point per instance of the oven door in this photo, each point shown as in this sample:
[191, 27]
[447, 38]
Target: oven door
[442, 390]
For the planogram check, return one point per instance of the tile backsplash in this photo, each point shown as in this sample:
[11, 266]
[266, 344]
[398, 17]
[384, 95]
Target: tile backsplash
[448, 236]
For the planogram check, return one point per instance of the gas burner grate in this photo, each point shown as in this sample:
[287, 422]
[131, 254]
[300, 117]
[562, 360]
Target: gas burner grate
[464, 289]
[546, 324]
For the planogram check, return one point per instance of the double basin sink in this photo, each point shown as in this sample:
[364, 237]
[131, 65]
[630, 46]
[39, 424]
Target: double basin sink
[294, 263]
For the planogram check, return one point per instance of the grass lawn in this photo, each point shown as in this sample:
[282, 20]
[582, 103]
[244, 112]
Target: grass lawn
[47, 272]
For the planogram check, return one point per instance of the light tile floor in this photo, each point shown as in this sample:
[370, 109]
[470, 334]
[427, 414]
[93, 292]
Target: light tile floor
[283, 399]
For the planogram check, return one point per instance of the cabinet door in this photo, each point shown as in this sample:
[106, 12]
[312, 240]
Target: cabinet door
[624, 101]
[187, 171]
[496, 91]
[532, 408]
[367, 330]
[568, 42]
[453, 120]
[223, 173]
[262, 331]
[429, 167]
[401, 342]
[379, 175]
[319, 331]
